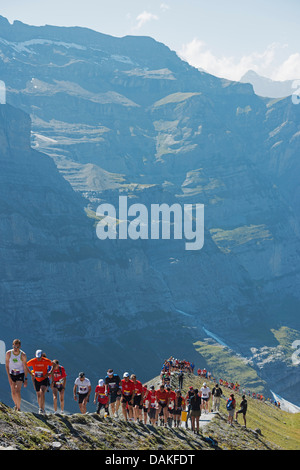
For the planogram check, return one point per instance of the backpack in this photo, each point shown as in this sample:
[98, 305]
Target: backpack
[229, 405]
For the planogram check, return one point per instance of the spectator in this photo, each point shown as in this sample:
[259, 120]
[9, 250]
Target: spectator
[216, 394]
[230, 405]
[243, 409]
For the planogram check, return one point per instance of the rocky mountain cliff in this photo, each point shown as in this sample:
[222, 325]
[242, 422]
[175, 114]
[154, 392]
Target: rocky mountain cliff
[127, 116]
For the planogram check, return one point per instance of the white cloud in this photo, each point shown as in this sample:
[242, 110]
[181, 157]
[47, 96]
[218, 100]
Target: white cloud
[267, 63]
[164, 6]
[144, 17]
[289, 69]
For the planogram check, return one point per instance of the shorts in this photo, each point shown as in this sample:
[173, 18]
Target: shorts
[162, 405]
[82, 396]
[58, 387]
[18, 377]
[231, 413]
[205, 399]
[113, 396]
[39, 384]
[195, 413]
[152, 413]
[126, 398]
[102, 405]
[171, 410]
[137, 401]
[242, 411]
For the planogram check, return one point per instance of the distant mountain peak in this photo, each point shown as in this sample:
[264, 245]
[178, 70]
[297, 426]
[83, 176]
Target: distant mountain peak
[266, 87]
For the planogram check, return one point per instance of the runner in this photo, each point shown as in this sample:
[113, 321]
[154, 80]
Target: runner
[195, 403]
[40, 372]
[138, 399]
[58, 385]
[162, 399]
[145, 402]
[205, 396]
[128, 392]
[101, 398]
[243, 409]
[82, 388]
[112, 388]
[152, 405]
[179, 407]
[188, 398]
[16, 368]
[171, 406]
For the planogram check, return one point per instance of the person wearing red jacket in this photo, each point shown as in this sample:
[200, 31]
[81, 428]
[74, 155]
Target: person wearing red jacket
[162, 399]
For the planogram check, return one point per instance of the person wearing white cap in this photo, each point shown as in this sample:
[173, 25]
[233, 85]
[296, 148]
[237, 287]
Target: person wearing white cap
[40, 371]
[101, 397]
[128, 391]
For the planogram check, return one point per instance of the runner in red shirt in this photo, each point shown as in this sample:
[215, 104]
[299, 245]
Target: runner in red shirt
[151, 397]
[127, 393]
[138, 398]
[145, 402]
[58, 385]
[171, 405]
[162, 399]
[101, 398]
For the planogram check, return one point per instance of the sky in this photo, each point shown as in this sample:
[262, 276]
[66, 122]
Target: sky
[224, 37]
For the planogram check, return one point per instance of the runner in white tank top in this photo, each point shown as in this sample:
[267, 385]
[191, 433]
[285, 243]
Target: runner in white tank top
[16, 365]
[16, 368]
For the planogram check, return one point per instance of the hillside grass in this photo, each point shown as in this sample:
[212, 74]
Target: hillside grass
[229, 366]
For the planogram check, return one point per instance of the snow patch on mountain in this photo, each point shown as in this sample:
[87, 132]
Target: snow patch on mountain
[25, 46]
